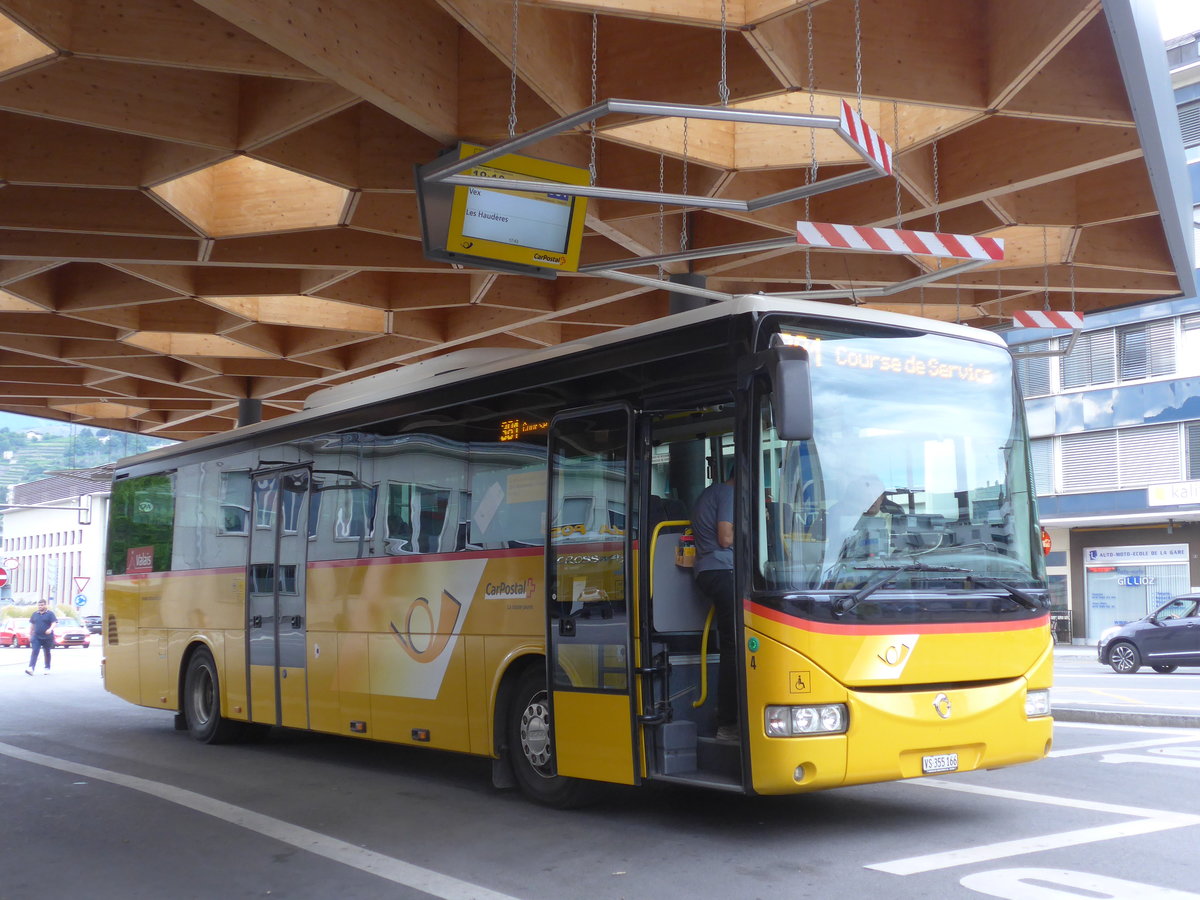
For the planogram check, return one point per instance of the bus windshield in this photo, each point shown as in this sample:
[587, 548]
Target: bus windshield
[918, 460]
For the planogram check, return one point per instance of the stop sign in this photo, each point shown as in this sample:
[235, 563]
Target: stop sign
[3, 577]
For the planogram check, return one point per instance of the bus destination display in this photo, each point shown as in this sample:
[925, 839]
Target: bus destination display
[540, 221]
[525, 228]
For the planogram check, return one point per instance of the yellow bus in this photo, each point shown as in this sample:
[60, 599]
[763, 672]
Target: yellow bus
[488, 554]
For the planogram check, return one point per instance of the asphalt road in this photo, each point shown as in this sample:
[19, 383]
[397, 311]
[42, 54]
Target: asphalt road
[1085, 691]
[105, 801]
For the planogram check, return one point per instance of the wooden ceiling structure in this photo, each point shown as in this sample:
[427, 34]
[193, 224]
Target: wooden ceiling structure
[203, 201]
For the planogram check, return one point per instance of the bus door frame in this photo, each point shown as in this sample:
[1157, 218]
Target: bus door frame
[594, 730]
[277, 620]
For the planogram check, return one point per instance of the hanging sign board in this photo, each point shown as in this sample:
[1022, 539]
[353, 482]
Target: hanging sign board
[514, 231]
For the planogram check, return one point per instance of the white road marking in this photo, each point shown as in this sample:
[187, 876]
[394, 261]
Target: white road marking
[1132, 745]
[1147, 759]
[378, 864]
[968, 855]
[1045, 884]
[1146, 821]
[1102, 726]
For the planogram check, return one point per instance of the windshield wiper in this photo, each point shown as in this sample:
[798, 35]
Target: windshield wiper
[1024, 598]
[843, 605]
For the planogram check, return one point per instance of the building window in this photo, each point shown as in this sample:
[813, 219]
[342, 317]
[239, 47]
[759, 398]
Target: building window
[1148, 455]
[1146, 350]
[1113, 460]
[1041, 452]
[1192, 449]
[1033, 375]
[1089, 461]
[1091, 361]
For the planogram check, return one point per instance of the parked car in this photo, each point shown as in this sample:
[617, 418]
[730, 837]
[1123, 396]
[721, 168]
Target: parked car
[14, 633]
[94, 624]
[1164, 640]
[69, 633]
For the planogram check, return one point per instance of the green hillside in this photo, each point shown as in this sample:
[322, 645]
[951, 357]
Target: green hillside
[33, 454]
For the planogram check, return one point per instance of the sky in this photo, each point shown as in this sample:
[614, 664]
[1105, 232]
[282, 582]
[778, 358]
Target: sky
[1178, 17]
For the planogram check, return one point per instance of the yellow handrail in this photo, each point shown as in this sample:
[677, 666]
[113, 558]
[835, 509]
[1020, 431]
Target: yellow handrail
[699, 702]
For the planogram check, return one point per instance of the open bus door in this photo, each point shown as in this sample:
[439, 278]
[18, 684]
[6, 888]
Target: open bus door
[275, 598]
[589, 569]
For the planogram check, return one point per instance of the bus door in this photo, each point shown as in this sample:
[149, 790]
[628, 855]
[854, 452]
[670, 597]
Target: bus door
[275, 601]
[683, 451]
[589, 567]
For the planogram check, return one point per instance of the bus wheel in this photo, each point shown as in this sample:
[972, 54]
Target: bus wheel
[531, 750]
[1124, 658]
[202, 702]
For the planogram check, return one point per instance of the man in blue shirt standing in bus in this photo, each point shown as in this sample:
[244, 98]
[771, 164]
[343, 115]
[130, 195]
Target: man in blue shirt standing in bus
[41, 636]
[712, 525]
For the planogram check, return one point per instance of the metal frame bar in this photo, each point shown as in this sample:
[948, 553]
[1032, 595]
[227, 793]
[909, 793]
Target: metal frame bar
[450, 171]
[684, 255]
[1061, 351]
[917, 281]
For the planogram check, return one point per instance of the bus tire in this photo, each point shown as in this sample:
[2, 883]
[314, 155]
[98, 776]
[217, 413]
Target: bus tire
[201, 702]
[530, 748]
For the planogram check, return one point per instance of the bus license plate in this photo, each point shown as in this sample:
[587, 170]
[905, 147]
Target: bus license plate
[943, 762]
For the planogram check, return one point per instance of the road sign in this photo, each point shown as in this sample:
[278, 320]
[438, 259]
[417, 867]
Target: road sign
[3, 577]
[81, 582]
[81, 601]
[11, 563]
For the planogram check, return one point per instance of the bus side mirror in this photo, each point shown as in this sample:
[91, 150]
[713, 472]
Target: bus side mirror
[791, 393]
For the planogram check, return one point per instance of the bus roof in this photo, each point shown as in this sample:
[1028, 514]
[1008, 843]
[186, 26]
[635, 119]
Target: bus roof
[458, 366]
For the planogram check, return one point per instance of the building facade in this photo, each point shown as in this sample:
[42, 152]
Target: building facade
[1116, 435]
[54, 538]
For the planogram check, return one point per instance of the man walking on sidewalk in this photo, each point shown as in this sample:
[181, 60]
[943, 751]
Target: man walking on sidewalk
[41, 636]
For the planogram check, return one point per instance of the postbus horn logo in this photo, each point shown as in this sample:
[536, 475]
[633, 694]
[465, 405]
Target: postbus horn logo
[429, 639]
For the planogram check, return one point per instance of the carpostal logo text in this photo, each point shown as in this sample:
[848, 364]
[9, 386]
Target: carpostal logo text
[546, 257]
[506, 590]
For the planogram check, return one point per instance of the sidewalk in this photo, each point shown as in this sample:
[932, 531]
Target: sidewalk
[1081, 659]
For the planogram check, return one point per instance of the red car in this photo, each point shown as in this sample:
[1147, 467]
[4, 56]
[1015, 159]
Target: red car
[14, 633]
[70, 633]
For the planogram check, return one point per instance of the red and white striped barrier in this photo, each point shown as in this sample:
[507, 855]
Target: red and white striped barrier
[898, 240]
[862, 135]
[1038, 318]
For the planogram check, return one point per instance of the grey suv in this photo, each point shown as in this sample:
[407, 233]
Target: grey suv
[1164, 640]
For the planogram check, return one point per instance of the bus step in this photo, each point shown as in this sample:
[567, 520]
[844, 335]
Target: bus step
[719, 756]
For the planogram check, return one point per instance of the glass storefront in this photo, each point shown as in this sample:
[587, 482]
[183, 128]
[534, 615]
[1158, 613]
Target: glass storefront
[1125, 583]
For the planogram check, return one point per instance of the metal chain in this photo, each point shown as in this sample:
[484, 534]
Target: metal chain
[812, 142]
[1046, 269]
[896, 152]
[512, 95]
[858, 50]
[683, 222]
[723, 84]
[661, 213]
[937, 199]
[592, 156]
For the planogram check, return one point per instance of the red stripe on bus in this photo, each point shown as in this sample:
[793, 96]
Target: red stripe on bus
[907, 628]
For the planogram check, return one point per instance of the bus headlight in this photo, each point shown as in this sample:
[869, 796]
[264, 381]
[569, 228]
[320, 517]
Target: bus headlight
[793, 721]
[1037, 703]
